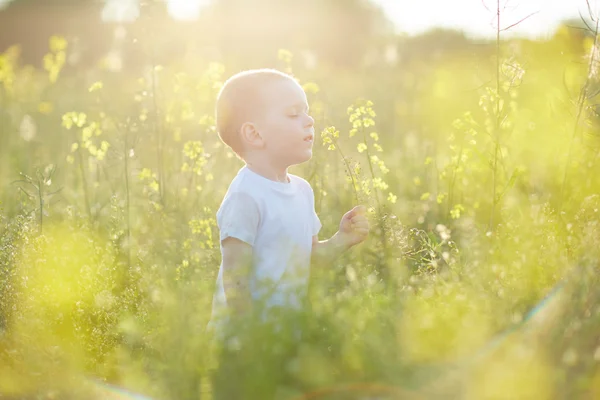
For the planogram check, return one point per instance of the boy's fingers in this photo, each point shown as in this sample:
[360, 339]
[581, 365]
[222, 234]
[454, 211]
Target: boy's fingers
[358, 210]
[360, 221]
[360, 226]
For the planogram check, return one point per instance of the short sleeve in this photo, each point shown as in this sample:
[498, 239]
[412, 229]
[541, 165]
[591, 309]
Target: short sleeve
[316, 224]
[238, 217]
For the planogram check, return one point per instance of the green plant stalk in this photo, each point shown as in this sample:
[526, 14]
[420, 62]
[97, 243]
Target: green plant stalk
[437, 172]
[107, 179]
[4, 141]
[371, 170]
[319, 195]
[127, 196]
[380, 216]
[159, 135]
[41, 202]
[453, 181]
[125, 135]
[339, 149]
[497, 121]
[84, 183]
[583, 94]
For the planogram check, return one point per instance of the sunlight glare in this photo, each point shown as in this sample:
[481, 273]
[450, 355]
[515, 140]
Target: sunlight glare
[4, 3]
[186, 10]
[120, 11]
[477, 17]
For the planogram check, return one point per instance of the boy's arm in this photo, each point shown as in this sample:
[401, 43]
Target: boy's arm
[327, 250]
[237, 266]
[354, 229]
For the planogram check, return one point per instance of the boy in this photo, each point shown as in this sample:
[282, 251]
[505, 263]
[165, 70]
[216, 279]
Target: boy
[267, 221]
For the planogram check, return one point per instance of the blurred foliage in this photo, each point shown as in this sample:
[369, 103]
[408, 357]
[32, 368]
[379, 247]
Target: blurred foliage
[335, 31]
[478, 166]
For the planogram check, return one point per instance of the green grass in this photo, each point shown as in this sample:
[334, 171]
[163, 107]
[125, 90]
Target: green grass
[483, 196]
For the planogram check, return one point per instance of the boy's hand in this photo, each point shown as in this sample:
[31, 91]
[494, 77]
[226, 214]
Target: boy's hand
[354, 227]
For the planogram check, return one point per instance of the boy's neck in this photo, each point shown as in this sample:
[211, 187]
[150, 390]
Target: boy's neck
[265, 169]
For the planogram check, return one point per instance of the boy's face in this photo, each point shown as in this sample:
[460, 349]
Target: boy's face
[284, 124]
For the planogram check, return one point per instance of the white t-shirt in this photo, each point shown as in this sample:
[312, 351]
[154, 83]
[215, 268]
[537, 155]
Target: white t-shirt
[278, 220]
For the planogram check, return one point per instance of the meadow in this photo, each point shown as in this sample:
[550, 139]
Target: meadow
[478, 165]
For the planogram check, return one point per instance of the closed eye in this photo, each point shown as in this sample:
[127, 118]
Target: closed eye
[298, 110]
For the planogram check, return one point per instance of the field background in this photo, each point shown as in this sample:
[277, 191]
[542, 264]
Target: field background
[478, 160]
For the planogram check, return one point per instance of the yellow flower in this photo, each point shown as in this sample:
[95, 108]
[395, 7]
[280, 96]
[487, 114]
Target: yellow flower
[45, 108]
[285, 55]
[311, 87]
[57, 43]
[96, 86]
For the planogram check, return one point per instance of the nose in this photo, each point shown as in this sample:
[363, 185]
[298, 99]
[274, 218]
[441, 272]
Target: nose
[310, 121]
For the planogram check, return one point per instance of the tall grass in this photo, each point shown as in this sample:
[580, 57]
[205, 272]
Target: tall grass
[472, 228]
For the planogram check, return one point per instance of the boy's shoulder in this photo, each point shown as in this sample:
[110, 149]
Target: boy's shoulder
[240, 181]
[241, 187]
[303, 183]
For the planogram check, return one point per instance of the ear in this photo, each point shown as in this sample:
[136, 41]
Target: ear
[251, 136]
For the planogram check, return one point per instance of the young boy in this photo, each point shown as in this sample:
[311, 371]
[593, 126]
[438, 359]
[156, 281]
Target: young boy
[267, 220]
